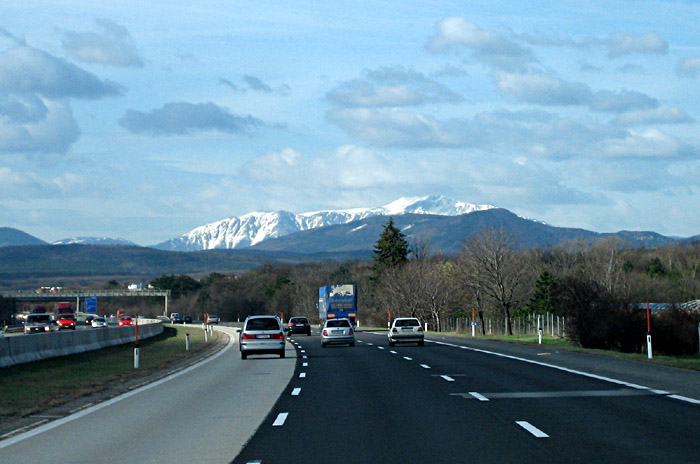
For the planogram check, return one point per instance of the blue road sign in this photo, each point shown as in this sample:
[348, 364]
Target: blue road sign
[91, 305]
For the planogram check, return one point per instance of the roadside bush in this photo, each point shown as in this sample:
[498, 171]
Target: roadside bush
[595, 319]
[674, 331]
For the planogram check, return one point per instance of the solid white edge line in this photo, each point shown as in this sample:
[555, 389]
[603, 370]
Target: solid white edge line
[574, 371]
[479, 396]
[281, 417]
[58, 422]
[532, 429]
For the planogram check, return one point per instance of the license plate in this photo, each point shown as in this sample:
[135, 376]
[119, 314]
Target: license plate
[300, 325]
[407, 330]
[338, 332]
[262, 336]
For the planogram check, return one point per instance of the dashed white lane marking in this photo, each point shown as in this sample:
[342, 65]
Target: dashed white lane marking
[370, 344]
[448, 378]
[478, 396]
[532, 429]
[304, 357]
[380, 347]
[296, 392]
[407, 358]
[425, 366]
[303, 351]
[392, 352]
[305, 365]
[281, 417]
[302, 375]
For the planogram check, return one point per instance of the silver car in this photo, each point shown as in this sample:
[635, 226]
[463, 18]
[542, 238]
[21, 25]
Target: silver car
[337, 331]
[99, 322]
[262, 335]
[406, 329]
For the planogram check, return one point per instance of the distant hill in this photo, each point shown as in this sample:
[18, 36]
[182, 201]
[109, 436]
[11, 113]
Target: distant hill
[93, 241]
[15, 237]
[443, 233]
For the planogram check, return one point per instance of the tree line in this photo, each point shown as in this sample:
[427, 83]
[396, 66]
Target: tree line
[599, 287]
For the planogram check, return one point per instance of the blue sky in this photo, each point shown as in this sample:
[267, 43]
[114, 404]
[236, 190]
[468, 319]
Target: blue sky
[143, 120]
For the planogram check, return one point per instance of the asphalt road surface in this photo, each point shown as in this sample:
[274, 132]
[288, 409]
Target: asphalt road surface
[448, 402]
[202, 414]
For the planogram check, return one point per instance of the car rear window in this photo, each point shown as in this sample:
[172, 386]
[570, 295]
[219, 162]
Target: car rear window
[338, 323]
[39, 318]
[407, 323]
[263, 324]
[298, 319]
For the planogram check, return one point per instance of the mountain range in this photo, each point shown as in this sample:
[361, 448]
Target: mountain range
[440, 222]
[257, 227]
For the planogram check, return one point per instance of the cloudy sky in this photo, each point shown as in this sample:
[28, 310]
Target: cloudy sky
[145, 119]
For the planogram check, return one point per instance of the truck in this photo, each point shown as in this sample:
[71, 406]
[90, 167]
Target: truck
[63, 307]
[336, 301]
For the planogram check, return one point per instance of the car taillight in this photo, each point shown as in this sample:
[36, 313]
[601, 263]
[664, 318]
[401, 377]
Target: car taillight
[290, 324]
[325, 333]
[307, 324]
[394, 330]
[278, 336]
[247, 336]
[420, 329]
[351, 332]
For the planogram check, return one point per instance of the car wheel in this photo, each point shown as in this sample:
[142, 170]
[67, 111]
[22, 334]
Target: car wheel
[244, 355]
[352, 344]
[323, 345]
[308, 333]
[282, 354]
[421, 343]
[391, 343]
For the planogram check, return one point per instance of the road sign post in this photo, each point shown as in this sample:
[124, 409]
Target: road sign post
[649, 353]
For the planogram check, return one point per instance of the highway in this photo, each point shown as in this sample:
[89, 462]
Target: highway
[454, 402]
[451, 401]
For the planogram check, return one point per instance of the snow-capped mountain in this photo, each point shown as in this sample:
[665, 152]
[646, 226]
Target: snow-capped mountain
[253, 228]
[93, 241]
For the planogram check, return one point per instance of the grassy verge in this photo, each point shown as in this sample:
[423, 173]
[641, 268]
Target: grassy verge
[549, 342]
[28, 388]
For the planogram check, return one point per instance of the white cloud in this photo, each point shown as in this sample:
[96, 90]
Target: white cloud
[182, 118]
[688, 67]
[390, 87]
[112, 46]
[627, 44]
[25, 69]
[489, 47]
[649, 143]
[53, 131]
[662, 115]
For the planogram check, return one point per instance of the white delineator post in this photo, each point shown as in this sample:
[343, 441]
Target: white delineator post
[136, 344]
[649, 355]
[187, 342]
[539, 330]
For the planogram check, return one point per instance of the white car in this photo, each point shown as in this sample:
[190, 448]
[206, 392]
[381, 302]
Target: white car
[406, 329]
[98, 322]
[213, 319]
[262, 335]
[337, 332]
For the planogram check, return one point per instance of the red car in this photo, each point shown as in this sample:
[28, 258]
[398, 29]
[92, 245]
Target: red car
[125, 320]
[65, 321]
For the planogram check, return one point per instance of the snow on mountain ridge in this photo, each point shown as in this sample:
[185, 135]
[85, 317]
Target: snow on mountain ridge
[255, 227]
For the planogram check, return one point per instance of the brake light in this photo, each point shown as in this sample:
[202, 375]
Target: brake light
[279, 336]
[290, 324]
[247, 336]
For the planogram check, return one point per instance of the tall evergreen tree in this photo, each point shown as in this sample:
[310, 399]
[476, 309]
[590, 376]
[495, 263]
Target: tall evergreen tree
[391, 249]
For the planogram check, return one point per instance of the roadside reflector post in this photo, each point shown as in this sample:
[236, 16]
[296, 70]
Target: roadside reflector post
[187, 342]
[136, 344]
[206, 334]
[649, 353]
[539, 330]
[473, 322]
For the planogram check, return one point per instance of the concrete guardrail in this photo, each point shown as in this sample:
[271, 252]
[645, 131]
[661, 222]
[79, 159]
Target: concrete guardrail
[35, 347]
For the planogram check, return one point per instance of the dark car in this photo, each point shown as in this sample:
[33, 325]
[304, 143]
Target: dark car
[298, 325]
[187, 320]
[37, 323]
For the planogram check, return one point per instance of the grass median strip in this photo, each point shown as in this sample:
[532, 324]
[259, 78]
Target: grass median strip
[31, 388]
